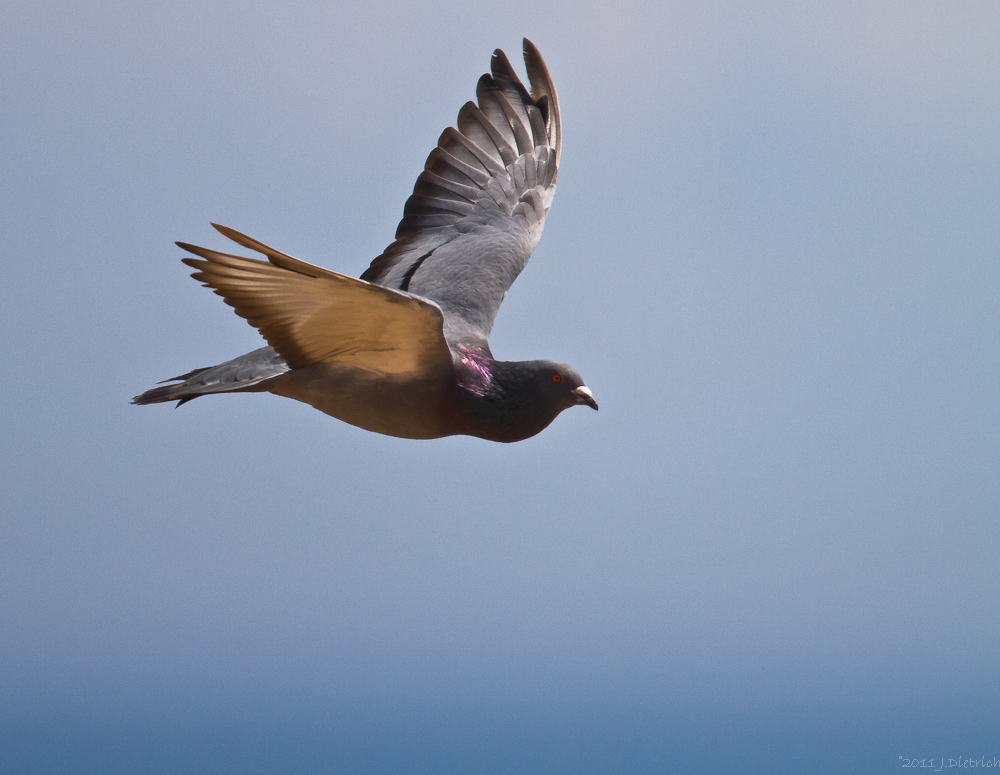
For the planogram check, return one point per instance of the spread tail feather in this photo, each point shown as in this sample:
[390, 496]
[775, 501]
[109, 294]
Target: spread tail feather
[243, 374]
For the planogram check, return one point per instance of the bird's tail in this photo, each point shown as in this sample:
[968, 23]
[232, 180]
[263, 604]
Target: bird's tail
[244, 374]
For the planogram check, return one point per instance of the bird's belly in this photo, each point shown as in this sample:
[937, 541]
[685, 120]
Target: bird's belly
[412, 409]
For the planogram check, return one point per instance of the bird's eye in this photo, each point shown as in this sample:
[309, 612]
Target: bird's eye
[557, 377]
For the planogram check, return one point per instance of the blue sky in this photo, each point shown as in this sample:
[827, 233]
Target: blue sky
[774, 256]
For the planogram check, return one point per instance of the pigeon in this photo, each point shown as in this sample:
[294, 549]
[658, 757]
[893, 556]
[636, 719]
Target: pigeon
[404, 350]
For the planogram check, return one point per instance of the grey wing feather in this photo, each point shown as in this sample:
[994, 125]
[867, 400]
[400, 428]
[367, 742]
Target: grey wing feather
[477, 209]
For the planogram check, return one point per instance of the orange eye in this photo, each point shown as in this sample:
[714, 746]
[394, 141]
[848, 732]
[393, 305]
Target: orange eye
[557, 377]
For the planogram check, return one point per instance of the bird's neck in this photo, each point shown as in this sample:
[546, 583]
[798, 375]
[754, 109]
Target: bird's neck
[499, 398]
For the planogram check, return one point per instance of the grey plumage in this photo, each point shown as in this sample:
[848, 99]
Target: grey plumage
[243, 374]
[404, 350]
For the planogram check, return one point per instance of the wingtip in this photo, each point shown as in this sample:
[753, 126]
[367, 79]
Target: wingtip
[540, 80]
[500, 66]
[197, 263]
[532, 56]
[225, 231]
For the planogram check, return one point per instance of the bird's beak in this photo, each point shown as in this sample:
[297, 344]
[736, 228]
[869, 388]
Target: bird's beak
[584, 396]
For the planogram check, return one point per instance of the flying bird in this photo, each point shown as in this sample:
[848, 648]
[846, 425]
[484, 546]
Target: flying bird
[404, 350]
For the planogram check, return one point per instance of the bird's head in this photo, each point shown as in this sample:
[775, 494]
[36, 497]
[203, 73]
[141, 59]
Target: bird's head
[560, 385]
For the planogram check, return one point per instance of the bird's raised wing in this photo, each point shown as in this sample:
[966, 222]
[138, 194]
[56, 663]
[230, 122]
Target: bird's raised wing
[477, 209]
[309, 314]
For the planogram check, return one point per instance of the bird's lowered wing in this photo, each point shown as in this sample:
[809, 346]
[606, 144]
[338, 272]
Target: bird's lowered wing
[477, 209]
[309, 314]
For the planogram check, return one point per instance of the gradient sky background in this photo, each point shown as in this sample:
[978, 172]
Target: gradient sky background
[775, 258]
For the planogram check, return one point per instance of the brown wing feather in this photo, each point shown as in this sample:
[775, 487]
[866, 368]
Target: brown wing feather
[309, 314]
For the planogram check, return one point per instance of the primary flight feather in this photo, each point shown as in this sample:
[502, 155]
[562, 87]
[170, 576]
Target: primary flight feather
[404, 350]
